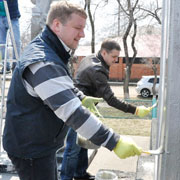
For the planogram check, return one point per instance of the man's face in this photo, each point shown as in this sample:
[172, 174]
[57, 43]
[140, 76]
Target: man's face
[111, 57]
[72, 31]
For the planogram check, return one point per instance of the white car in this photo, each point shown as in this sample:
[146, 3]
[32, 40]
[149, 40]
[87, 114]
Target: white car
[144, 86]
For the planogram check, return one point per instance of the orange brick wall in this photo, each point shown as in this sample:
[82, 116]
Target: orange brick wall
[117, 70]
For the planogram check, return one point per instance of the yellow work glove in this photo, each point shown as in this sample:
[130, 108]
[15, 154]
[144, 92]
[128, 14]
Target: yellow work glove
[142, 111]
[89, 102]
[126, 147]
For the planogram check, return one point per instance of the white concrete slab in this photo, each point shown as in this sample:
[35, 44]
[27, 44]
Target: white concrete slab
[5, 176]
[106, 159]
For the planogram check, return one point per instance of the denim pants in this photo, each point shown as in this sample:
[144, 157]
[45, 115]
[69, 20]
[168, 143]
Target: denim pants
[3, 34]
[75, 158]
[44, 168]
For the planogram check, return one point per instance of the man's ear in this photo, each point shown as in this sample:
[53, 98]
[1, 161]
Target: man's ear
[56, 24]
[103, 53]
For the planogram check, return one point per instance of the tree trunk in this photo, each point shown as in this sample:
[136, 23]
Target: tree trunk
[131, 22]
[127, 70]
[155, 80]
[126, 82]
[92, 27]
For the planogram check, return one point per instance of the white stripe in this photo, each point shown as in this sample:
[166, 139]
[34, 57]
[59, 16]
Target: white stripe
[53, 86]
[67, 109]
[36, 66]
[109, 136]
[30, 89]
[90, 127]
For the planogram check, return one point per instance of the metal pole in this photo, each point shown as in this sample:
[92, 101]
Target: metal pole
[3, 90]
[10, 29]
[9, 32]
[163, 85]
[168, 164]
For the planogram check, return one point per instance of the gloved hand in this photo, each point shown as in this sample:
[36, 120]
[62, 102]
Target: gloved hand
[142, 111]
[126, 147]
[85, 143]
[89, 102]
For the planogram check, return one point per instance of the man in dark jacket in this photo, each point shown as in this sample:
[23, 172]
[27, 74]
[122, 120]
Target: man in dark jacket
[14, 16]
[42, 102]
[92, 79]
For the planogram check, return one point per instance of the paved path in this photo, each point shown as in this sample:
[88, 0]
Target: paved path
[8, 177]
[118, 91]
[106, 159]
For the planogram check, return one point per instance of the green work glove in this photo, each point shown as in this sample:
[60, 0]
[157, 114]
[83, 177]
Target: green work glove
[142, 111]
[126, 147]
[89, 102]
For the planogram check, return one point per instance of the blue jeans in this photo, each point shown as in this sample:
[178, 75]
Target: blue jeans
[75, 159]
[3, 34]
[44, 168]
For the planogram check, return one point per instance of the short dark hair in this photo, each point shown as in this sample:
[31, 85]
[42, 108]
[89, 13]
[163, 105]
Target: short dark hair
[110, 44]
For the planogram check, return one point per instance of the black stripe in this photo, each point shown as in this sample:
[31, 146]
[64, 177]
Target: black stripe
[78, 118]
[55, 101]
[112, 142]
[47, 72]
[28, 76]
[100, 136]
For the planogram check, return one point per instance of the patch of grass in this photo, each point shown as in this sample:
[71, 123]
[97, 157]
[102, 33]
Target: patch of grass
[110, 112]
[126, 123]
[136, 127]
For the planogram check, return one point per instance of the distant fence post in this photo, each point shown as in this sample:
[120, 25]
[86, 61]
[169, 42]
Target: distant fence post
[153, 125]
[154, 110]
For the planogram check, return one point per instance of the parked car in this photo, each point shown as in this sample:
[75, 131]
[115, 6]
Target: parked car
[145, 84]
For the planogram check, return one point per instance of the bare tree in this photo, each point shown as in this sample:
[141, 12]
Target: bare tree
[153, 9]
[133, 11]
[129, 9]
[155, 62]
[153, 43]
[92, 15]
[91, 19]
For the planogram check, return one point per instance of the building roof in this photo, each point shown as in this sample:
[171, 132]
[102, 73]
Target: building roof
[147, 46]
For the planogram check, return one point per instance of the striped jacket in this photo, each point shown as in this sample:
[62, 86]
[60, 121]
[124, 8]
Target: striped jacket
[42, 102]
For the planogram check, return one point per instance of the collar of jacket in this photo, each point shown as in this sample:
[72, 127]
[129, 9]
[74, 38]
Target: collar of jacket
[99, 56]
[52, 40]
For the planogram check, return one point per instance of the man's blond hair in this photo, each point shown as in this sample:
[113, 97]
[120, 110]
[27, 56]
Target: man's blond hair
[62, 11]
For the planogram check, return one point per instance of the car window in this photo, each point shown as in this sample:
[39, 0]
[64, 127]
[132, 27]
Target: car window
[151, 80]
[157, 80]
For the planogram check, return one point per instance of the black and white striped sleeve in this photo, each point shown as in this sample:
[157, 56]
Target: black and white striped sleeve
[51, 83]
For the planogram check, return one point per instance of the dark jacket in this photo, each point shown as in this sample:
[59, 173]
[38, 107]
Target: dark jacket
[13, 8]
[32, 129]
[92, 78]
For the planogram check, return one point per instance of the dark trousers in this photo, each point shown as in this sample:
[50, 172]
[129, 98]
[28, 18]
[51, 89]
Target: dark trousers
[75, 158]
[36, 169]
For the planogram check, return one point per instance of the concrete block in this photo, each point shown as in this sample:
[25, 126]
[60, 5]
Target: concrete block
[145, 168]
